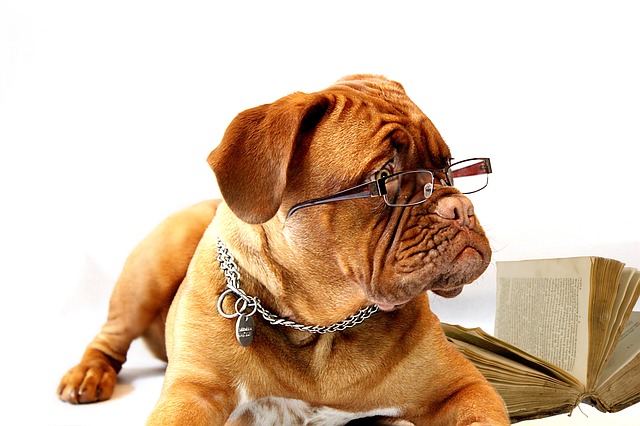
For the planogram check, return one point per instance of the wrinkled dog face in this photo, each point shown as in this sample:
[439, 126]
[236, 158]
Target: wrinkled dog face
[306, 146]
[392, 253]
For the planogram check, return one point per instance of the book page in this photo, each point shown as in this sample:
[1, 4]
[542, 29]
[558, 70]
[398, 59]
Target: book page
[530, 387]
[627, 349]
[628, 292]
[608, 288]
[483, 343]
[542, 308]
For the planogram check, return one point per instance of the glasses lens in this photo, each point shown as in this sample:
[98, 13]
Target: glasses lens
[470, 175]
[408, 188]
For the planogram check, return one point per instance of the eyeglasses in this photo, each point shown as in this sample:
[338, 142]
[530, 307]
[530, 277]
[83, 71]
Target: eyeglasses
[411, 188]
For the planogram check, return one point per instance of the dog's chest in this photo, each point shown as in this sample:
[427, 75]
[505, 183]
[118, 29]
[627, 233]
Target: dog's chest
[276, 411]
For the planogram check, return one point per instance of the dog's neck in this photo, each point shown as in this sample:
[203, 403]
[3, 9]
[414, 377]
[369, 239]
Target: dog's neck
[247, 305]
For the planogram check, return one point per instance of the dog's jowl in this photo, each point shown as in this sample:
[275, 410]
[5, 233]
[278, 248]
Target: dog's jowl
[301, 297]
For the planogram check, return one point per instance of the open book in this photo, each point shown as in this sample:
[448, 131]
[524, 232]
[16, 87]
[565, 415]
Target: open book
[565, 334]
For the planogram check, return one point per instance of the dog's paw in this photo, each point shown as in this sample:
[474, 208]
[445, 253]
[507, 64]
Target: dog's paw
[89, 381]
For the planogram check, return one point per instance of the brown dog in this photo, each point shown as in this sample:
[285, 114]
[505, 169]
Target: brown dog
[384, 241]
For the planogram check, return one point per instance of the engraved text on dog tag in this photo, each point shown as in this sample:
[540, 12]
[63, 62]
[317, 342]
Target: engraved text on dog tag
[245, 329]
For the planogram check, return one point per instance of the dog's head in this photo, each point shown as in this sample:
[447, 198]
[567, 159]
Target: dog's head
[363, 128]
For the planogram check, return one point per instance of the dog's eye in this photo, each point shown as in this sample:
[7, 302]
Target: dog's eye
[384, 173]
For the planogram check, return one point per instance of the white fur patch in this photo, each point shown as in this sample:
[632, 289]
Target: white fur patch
[275, 411]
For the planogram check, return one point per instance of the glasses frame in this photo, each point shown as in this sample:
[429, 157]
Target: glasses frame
[377, 188]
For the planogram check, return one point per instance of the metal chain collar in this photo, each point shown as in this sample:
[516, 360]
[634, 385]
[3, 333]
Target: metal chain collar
[246, 305]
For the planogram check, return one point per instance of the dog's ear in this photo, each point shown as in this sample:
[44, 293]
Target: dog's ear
[251, 161]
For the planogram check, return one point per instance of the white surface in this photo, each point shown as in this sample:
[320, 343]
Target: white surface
[108, 111]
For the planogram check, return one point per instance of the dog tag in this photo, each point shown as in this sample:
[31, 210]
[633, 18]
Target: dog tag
[245, 329]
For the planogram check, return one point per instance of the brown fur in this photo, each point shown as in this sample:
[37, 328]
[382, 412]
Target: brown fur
[318, 267]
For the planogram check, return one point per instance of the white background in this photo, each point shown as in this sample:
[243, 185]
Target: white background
[108, 111]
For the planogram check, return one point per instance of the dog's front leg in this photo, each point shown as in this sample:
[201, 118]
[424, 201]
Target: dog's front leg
[150, 277]
[193, 404]
[477, 404]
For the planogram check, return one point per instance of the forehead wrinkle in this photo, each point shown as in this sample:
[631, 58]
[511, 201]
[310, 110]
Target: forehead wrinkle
[380, 151]
[374, 109]
[379, 88]
[392, 104]
[431, 147]
[362, 120]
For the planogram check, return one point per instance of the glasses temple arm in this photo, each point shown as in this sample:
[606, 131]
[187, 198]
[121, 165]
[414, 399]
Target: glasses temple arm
[481, 168]
[366, 190]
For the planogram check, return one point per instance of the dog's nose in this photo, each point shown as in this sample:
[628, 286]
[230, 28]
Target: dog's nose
[456, 207]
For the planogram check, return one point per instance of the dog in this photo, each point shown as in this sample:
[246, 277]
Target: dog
[301, 298]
